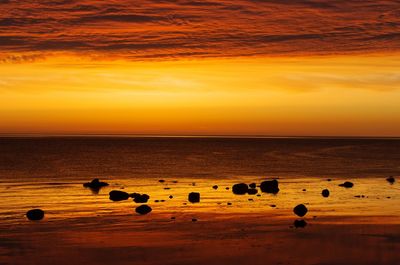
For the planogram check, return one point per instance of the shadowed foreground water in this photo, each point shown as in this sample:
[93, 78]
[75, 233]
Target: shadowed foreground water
[81, 227]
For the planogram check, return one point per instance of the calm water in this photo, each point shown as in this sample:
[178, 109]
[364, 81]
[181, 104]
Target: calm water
[26, 159]
[79, 225]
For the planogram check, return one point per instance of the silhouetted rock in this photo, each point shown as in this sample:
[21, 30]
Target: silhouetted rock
[227, 188]
[325, 193]
[194, 220]
[35, 214]
[141, 198]
[167, 188]
[215, 187]
[300, 210]
[270, 186]
[194, 197]
[391, 180]
[161, 181]
[229, 203]
[273, 205]
[300, 223]
[252, 191]
[347, 184]
[240, 189]
[117, 195]
[173, 218]
[95, 185]
[329, 179]
[252, 185]
[304, 190]
[170, 196]
[143, 209]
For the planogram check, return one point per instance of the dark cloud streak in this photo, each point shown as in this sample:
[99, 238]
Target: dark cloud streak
[188, 28]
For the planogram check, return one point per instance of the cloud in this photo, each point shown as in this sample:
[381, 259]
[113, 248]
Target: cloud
[158, 29]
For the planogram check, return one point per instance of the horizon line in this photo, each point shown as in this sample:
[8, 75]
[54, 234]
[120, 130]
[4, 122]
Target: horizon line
[232, 136]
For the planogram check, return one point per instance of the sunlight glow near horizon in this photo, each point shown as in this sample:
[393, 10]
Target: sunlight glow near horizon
[349, 95]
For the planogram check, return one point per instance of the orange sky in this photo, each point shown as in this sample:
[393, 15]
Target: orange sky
[200, 67]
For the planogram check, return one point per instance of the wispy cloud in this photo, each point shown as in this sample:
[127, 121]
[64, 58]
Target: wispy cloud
[157, 29]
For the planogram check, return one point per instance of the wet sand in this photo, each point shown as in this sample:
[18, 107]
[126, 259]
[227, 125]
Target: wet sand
[81, 227]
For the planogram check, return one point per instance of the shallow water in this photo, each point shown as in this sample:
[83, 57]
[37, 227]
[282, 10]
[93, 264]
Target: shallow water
[84, 227]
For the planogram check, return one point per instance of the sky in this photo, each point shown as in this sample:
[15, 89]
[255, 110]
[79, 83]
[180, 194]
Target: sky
[279, 68]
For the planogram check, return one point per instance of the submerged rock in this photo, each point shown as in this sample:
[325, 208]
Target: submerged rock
[391, 180]
[215, 187]
[143, 209]
[252, 185]
[270, 186]
[141, 198]
[170, 196]
[252, 191]
[300, 210]
[35, 214]
[117, 195]
[300, 223]
[95, 185]
[347, 184]
[161, 181]
[325, 193]
[194, 197]
[240, 189]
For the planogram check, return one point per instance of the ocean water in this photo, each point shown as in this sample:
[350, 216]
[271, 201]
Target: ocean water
[80, 225]
[82, 158]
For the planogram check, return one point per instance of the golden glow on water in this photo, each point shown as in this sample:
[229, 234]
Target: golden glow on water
[342, 95]
[70, 201]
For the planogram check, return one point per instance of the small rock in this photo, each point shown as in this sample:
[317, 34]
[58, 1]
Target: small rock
[300, 210]
[391, 180]
[194, 220]
[325, 193]
[347, 184]
[252, 191]
[35, 214]
[95, 183]
[161, 181]
[143, 209]
[253, 185]
[167, 188]
[304, 190]
[194, 197]
[270, 186]
[273, 205]
[227, 188]
[141, 198]
[117, 195]
[170, 196]
[240, 189]
[329, 179]
[215, 187]
[229, 203]
[300, 223]
[173, 218]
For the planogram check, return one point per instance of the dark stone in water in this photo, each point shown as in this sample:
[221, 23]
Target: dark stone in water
[270, 186]
[161, 181]
[167, 188]
[143, 209]
[252, 191]
[273, 205]
[173, 218]
[252, 185]
[35, 214]
[194, 197]
[300, 223]
[194, 220]
[229, 203]
[329, 179]
[215, 187]
[240, 189]
[95, 185]
[117, 195]
[391, 180]
[170, 196]
[300, 210]
[325, 193]
[227, 188]
[347, 184]
[141, 198]
[304, 190]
